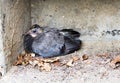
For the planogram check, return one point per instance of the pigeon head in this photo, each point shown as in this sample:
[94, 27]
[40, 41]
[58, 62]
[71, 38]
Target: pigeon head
[35, 32]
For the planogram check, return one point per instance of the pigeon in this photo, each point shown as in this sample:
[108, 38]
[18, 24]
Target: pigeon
[51, 42]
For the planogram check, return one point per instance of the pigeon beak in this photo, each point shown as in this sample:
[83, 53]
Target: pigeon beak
[32, 34]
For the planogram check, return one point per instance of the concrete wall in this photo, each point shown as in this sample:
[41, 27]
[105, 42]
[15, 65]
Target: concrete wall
[15, 18]
[2, 58]
[98, 21]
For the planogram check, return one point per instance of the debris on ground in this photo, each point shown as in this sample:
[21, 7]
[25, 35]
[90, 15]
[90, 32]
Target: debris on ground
[70, 63]
[23, 59]
[114, 62]
[43, 63]
[46, 67]
[51, 60]
[46, 71]
[88, 62]
[75, 58]
[85, 57]
[57, 63]
[105, 55]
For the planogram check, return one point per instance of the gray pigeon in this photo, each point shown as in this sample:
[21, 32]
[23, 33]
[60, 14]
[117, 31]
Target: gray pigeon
[51, 42]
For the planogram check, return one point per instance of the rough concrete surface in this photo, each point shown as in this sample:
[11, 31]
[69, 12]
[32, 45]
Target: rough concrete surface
[15, 18]
[2, 58]
[85, 15]
[97, 20]
[94, 70]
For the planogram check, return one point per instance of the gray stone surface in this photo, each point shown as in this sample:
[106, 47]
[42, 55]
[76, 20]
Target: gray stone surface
[2, 57]
[93, 70]
[89, 15]
[97, 20]
[15, 18]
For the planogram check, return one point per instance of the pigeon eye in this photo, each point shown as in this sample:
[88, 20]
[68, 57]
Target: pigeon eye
[34, 31]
